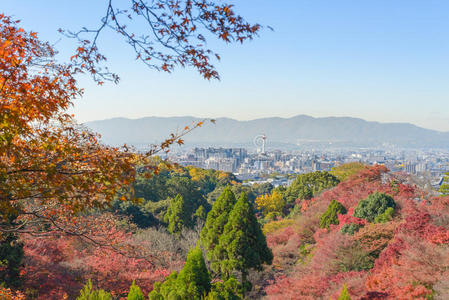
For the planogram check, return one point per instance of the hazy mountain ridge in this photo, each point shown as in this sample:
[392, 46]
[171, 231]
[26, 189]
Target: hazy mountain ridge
[298, 129]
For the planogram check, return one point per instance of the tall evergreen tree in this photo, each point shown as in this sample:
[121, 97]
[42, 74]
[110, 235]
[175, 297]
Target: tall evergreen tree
[177, 215]
[135, 293]
[214, 226]
[243, 244]
[194, 278]
[192, 282]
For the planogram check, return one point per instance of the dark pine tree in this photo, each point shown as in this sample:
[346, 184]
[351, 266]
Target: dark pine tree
[243, 243]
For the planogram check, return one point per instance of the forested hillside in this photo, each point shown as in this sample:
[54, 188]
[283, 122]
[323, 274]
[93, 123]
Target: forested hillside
[373, 236]
[358, 231]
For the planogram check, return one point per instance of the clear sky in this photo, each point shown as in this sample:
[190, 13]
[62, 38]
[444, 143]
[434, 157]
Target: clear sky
[380, 60]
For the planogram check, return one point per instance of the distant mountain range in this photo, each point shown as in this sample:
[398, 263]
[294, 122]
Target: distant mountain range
[300, 130]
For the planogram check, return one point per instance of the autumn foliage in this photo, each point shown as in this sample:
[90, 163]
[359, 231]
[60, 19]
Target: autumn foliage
[404, 257]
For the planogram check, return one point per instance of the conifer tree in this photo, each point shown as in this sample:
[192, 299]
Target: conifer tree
[330, 216]
[344, 294]
[242, 243]
[194, 278]
[135, 293]
[214, 226]
[192, 282]
[444, 188]
[88, 293]
[177, 215]
[200, 214]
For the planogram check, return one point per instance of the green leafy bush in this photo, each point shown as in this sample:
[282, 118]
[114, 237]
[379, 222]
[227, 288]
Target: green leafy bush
[87, 293]
[350, 228]
[375, 205]
[387, 216]
[330, 216]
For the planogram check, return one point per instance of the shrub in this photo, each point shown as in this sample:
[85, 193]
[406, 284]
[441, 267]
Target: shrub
[345, 171]
[87, 293]
[330, 216]
[354, 258]
[351, 228]
[276, 225]
[375, 205]
[387, 216]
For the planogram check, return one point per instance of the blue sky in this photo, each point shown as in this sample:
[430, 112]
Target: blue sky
[379, 60]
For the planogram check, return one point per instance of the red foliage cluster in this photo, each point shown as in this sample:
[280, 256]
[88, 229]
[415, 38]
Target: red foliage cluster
[59, 266]
[410, 253]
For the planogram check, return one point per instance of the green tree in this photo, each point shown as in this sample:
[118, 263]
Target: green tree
[136, 213]
[272, 205]
[200, 214]
[135, 293]
[215, 224]
[177, 215]
[88, 293]
[242, 243]
[376, 204]
[330, 216]
[306, 186]
[188, 189]
[227, 290]
[192, 282]
[444, 188]
[344, 295]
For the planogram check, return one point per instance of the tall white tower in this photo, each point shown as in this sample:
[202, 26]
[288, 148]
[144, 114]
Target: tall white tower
[260, 141]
